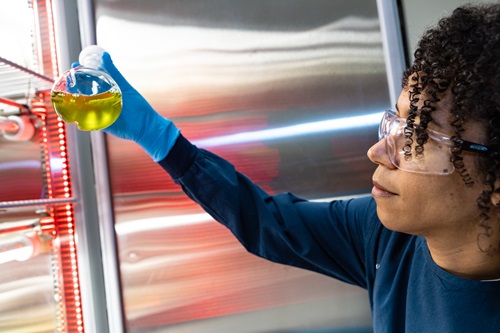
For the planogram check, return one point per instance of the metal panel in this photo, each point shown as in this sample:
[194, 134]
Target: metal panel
[97, 260]
[47, 285]
[27, 283]
[276, 87]
[20, 170]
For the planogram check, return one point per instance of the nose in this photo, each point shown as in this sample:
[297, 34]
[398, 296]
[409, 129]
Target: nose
[378, 154]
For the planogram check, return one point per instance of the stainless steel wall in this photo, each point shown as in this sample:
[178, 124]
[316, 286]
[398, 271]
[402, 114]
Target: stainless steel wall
[268, 85]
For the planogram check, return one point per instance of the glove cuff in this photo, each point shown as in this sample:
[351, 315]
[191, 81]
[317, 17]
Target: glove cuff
[160, 139]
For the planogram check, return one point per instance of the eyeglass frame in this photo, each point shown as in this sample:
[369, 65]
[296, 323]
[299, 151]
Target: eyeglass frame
[453, 142]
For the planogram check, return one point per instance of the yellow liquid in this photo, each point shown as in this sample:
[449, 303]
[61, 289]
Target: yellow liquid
[90, 113]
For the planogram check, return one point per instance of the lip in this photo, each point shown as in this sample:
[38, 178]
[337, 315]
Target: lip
[380, 191]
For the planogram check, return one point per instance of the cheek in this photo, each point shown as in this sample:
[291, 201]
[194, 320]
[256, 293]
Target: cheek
[442, 197]
[425, 203]
[433, 197]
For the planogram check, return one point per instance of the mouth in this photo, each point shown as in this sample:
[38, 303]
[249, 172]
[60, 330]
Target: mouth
[380, 191]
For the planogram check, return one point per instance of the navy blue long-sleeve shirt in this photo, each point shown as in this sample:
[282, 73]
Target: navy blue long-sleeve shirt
[408, 292]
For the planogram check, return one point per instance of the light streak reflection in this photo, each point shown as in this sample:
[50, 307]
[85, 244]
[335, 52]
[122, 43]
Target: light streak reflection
[294, 130]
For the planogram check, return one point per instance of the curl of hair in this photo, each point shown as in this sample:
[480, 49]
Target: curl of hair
[461, 56]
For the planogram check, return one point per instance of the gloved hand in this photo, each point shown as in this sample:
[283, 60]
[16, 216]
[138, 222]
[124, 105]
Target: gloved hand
[138, 121]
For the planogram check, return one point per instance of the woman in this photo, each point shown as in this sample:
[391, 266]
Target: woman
[426, 245]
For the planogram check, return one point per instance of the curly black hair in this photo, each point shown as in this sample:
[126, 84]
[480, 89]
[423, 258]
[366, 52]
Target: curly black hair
[460, 57]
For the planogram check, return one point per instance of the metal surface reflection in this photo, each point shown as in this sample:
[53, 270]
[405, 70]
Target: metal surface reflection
[27, 294]
[27, 284]
[227, 71]
[20, 170]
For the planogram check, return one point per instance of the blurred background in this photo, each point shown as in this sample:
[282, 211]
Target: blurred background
[95, 237]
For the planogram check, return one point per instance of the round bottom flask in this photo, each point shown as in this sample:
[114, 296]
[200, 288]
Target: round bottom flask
[86, 95]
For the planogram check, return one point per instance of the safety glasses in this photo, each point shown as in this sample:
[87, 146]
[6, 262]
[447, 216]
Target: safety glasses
[436, 157]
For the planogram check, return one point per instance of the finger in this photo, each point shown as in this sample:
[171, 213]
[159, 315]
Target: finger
[108, 65]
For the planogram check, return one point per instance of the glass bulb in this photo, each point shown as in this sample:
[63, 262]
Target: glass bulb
[86, 95]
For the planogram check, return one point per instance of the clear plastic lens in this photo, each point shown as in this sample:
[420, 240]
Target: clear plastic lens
[435, 159]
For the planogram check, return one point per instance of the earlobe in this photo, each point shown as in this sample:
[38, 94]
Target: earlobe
[495, 196]
[495, 199]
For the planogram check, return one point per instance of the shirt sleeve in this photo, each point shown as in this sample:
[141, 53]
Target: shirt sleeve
[326, 237]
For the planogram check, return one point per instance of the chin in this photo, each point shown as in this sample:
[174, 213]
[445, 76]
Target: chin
[391, 221]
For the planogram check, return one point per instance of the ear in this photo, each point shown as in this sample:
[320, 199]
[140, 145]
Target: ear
[495, 196]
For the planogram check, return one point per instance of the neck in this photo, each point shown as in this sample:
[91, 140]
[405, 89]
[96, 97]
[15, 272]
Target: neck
[466, 260]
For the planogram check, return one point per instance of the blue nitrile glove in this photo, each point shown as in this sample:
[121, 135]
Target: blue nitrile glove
[138, 121]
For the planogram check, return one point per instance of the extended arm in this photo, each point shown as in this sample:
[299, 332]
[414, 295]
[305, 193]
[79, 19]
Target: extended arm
[328, 238]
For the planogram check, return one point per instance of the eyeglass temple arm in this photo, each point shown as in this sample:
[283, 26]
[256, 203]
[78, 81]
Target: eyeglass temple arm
[471, 146]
